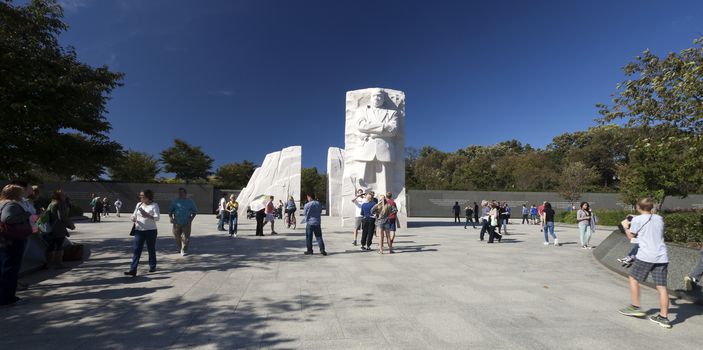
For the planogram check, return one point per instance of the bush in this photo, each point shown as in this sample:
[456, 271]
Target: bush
[683, 227]
[680, 226]
[605, 217]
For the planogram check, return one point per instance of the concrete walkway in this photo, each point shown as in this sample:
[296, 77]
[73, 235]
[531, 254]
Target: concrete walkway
[442, 290]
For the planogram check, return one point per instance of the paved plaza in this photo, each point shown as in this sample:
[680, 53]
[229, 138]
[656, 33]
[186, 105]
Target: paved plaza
[442, 290]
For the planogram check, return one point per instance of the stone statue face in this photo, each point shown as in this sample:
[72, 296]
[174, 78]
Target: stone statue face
[377, 98]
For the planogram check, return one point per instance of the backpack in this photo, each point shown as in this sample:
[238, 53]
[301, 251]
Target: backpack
[44, 221]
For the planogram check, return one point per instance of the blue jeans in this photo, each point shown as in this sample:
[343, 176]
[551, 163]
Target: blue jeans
[221, 223]
[549, 226]
[148, 236]
[317, 231]
[10, 262]
[232, 222]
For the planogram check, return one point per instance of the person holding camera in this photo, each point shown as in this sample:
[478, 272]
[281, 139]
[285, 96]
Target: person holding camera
[358, 201]
[651, 258]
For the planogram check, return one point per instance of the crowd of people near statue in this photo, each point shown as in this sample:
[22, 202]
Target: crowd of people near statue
[493, 217]
[375, 216]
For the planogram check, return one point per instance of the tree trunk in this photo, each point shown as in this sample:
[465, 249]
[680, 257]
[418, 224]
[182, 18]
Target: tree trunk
[661, 204]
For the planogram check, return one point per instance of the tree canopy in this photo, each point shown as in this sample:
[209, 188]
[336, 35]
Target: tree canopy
[234, 175]
[49, 98]
[135, 167]
[188, 162]
[663, 98]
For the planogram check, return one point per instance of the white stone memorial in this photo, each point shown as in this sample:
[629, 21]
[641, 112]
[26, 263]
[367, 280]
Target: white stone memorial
[278, 176]
[335, 172]
[374, 149]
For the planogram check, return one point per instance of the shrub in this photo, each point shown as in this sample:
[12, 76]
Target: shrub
[605, 217]
[680, 226]
[683, 227]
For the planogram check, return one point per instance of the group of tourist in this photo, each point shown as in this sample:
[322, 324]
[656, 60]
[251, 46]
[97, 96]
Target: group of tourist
[375, 216]
[100, 206]
[493, 218]
[19, 219]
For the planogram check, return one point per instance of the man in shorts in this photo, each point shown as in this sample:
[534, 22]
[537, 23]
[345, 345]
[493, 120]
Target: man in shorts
[651, 258]
[269, 211]
[358, 201]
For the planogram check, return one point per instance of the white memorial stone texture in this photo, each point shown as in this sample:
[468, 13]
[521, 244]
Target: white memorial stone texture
[374, 146]
[335, 172]
[278, 176]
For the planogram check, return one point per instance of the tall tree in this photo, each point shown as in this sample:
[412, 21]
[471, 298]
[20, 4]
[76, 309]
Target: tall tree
[188, 162]
[135, 167]
[664, 97]
[658, 90]
[574, 180]
[312, 181]
[49, 98]
[234, 175]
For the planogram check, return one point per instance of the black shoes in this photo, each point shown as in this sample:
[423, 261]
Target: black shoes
[323, 253]
[130, 273]
[153, 269]
[308, 253]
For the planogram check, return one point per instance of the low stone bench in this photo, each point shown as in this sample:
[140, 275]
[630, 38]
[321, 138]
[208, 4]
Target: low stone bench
[681, 262]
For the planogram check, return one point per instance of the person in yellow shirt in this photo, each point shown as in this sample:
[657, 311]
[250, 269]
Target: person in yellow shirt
[232, 208]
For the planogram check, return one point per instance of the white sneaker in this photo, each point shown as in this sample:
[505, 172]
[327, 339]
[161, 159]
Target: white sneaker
[183, 253]
[546, 243]
[556, 242]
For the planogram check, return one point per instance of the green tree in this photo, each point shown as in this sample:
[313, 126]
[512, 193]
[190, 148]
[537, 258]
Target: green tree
[662, 166]
[234, 175]
[664, 98]
[658, 91]
[188, 162]
[49, 98]
[135, 167]
[575, 179]
[312, 181]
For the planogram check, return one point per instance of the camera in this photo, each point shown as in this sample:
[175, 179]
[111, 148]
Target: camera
[622, 228]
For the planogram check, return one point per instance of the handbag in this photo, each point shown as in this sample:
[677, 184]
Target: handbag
[134, 228]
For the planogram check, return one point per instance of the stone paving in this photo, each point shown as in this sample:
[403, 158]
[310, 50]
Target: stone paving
[442, 290]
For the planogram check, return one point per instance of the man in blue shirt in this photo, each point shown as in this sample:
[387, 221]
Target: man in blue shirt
[311, 213]
[182, 213]
[367, 222]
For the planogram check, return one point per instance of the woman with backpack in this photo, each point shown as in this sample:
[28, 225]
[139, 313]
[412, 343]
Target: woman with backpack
[60, 222]
[14, 230]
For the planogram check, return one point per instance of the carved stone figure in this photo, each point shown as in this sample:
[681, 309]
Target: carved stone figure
[374, 146]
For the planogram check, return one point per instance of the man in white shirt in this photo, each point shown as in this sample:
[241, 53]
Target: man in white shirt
[118, 205]
[221, 209]
[358, 201]
[651, 257]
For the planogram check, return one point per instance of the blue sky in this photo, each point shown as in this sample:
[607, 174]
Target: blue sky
[245, 78]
